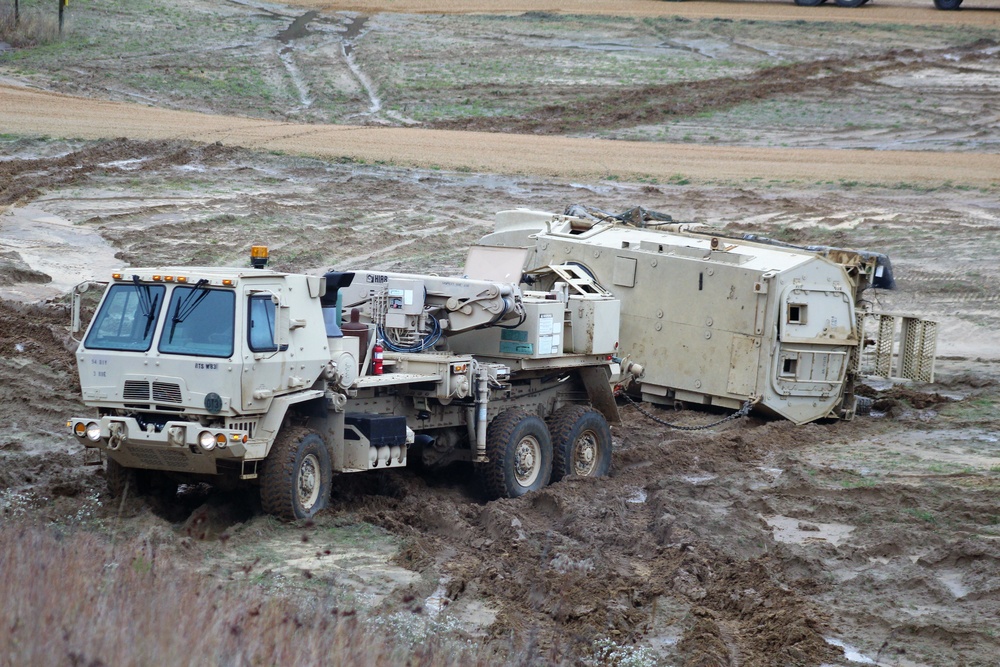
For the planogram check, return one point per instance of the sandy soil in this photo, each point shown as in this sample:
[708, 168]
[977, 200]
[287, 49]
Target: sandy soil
[31, 112]
[758, 543]
[895, 11]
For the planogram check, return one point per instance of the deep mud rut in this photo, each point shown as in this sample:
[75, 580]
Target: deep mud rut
[758, 543]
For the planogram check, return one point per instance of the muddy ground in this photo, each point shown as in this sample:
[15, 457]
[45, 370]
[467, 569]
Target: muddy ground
[757, 540]
[756, 543]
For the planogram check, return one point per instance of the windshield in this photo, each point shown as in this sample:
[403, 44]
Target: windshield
[199, 322]
[127, 318]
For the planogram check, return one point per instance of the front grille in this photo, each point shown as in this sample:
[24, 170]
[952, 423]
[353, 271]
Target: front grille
[136, 390]
[155, 457]
[250, 426]
[166, 392]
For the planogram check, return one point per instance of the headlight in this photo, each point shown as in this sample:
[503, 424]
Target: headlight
[93, 431]
[207, 440]
[80, 430]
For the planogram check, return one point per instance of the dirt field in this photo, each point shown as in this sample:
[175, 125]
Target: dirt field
[759, 543]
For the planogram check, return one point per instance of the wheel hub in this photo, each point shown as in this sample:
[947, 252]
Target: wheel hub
[585, 454]
[527, 460]
[308, 482]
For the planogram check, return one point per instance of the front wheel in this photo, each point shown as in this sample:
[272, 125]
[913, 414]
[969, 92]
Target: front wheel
[119, 478]
[947, 4]
[297, 476]
[581, 442]
[519, 449]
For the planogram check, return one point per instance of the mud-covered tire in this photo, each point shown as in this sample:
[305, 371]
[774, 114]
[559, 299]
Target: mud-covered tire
[519, 449]
[863, 407]
[118, 477]
[297, 476]
[581, 442]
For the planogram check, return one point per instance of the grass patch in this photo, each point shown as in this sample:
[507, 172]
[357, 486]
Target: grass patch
[32, 28]
[141, 602]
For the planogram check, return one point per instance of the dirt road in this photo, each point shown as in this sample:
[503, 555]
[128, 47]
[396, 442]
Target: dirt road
[889, 11]
[33, 112]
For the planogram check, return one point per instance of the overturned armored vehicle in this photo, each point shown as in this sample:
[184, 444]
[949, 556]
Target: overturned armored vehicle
[713, 320]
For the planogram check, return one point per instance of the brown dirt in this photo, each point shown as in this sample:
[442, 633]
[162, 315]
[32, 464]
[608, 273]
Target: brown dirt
[650, 105]
[754, 544]
[29, 112]
[894, 11]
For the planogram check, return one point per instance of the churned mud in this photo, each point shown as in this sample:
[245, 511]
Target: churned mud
[754, 543]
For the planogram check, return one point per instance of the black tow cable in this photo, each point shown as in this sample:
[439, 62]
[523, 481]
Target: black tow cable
[742, 412]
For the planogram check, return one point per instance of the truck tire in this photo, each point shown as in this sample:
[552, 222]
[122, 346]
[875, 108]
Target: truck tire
[947, 4]
[519, 449]
[581, 442]
[297, 476]
[118, 477]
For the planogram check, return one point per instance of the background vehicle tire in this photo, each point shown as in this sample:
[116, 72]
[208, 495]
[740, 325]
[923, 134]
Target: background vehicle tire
[297, 476]
[850, 3]
[809, 3]
[581, 442]
[520, 451]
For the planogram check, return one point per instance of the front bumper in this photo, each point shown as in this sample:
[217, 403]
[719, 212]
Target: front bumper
[174, 446]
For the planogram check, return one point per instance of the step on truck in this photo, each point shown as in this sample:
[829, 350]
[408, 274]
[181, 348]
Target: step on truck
[249, 376]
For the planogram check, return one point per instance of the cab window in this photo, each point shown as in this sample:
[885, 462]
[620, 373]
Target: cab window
[199, 322]
[127, 318]
[260, 329]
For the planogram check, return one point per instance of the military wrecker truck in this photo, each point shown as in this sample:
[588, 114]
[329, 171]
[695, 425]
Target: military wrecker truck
[724, 321]
[253, 376]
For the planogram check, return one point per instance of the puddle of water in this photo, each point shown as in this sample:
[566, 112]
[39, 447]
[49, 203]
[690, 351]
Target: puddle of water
[795, 531]
[638, 497]
[851, 654]
[437, 600]
[952, 580]
[298, 29]
[69, 254]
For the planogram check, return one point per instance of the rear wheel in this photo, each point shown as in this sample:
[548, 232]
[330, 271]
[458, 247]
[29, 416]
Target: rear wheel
[297, 476]
[850, 3]
[581, 442]
[947, 4]
[519, 449]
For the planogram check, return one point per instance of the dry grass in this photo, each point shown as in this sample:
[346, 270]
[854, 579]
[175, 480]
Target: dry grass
[34, 27]
[79, 600]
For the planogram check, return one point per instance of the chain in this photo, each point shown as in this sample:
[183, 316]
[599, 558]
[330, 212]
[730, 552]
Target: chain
[742, 412]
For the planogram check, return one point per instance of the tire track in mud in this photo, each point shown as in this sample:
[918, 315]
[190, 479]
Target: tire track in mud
[654, 104]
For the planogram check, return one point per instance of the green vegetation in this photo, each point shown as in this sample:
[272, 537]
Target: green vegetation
[581, 70]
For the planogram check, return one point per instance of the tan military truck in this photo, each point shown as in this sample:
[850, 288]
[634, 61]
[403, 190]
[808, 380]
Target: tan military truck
[722, 321]
[248, 375]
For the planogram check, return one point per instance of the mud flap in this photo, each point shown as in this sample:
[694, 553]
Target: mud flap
[597, 381]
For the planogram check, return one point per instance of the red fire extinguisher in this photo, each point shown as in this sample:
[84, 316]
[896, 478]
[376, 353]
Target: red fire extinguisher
[377, 359]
